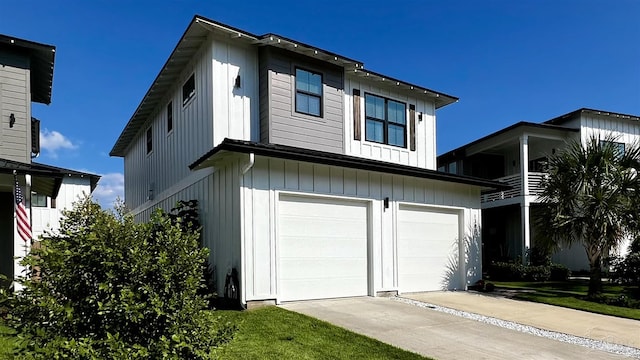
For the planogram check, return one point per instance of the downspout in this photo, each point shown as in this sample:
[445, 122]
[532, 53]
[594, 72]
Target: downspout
[243, 282]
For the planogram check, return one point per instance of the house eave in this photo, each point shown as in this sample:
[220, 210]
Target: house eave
[320, 157]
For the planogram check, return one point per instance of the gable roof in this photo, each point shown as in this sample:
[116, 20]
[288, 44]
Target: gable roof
[195, 36]
[327, 158]
[42, 57]
[574, 114]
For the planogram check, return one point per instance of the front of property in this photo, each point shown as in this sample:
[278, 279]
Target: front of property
[520, 152]
[315, 177]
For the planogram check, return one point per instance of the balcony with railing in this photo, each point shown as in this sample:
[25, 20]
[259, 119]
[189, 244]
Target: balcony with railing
[534, 182]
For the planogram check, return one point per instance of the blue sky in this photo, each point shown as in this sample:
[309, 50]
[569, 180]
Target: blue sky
[507, 61]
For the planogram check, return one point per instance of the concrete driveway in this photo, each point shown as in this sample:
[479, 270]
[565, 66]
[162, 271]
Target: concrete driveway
[436, 334]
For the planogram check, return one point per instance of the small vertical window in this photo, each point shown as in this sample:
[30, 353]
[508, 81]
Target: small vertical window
[308, 92]
[38, 200]
[188, 89]
[170, 116]
[149, 140]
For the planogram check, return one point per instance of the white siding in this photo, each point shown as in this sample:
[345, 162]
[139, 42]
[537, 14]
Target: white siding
[627, 131]
[47, 219]
[425, 154]
[218, 110]
[268, 177]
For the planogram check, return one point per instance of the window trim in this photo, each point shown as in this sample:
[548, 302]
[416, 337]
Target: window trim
[170, 117]
[186, 98]
[149, 139]
[307, 93]
[385, 122]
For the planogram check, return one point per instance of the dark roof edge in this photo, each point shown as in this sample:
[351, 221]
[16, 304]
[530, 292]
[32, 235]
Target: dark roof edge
[322, 157]
[509, 128]
[568, 116]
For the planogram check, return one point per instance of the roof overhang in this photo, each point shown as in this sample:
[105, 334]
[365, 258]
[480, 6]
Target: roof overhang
[508, 134]
[230, 146]
[45, 179]
[41, 58]
[572, 115]
[195, 36]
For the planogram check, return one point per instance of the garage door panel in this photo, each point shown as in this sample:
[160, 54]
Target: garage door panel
[427, 241]
[322, 248]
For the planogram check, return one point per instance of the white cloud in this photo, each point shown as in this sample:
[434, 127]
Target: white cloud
[52, 141]
[110, 187]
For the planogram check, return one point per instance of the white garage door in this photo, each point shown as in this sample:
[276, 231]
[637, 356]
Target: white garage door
[427, 250]
[322, 248]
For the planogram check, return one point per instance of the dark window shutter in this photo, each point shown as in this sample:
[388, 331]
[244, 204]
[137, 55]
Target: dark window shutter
[356, 115]
[412, 127]
[35, 136]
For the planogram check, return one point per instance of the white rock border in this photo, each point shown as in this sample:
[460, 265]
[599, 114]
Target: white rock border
[553, 335]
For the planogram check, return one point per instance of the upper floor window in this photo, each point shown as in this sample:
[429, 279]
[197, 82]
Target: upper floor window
[386, 121]
[308, 92]
[149, 140]
[170, 116]
[38, 200]
[618, 147]
[189, 89]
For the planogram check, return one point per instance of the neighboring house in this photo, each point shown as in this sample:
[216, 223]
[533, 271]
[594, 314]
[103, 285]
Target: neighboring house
[315, 177]
[26, 76]
[508, 217]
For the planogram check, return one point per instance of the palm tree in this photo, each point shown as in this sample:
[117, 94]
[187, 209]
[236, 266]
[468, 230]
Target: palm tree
[591, 197]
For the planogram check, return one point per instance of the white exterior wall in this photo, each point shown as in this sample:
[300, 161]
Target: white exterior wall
[627, 131]
[269, 177]
[425, 154]
[47, 219]
[217, 111]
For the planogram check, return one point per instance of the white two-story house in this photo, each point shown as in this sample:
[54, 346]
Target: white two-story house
[519, 152]
[26, 76]
[315, 177]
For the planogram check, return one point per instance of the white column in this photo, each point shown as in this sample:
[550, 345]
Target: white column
[524, 204]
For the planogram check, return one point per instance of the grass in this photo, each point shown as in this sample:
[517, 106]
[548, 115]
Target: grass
[572, 294]
[275, 333]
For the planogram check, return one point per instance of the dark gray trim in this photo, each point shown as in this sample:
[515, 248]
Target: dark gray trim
[42, 58]
[352, 162]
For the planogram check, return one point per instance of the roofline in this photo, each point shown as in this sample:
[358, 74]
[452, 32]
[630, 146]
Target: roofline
[333, 159]
[120, 146]
[507, 129]
[93, 178]
[42, 59]
[568, 116]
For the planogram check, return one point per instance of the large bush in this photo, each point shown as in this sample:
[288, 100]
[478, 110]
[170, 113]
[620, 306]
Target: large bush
[108, 288]
[504, 271]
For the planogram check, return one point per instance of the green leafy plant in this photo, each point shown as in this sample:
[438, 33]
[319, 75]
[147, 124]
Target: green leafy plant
[108, 288]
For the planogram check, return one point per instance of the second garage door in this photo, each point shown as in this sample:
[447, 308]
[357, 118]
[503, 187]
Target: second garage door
[427, 249]
[322, 248]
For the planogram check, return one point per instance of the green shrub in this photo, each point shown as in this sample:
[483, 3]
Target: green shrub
[108, 288]
[504, 271]
[559, 272]
[536, 273]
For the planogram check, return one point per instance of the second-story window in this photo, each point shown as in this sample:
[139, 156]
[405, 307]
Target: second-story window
[38, 200]
[149, 140]
[618, 147]
[308, 92]
[386, 121]
[189, 89]
[170, 116]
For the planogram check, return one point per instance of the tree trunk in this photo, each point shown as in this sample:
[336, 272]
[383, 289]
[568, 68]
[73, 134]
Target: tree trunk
[595, 277]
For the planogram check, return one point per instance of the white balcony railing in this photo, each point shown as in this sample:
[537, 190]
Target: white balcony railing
[515, 181]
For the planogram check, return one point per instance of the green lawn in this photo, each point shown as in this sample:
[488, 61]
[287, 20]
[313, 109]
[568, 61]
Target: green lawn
[275, 333]
[571, 294]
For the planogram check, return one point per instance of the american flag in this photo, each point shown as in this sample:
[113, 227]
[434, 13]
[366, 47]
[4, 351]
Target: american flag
[24, 226]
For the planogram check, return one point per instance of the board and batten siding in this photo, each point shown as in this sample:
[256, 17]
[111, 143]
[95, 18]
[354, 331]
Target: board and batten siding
[260, 191]
[627, 131]
[218, 110]
[280, 123]
[15, 98]
[424, 155]
[45, 219]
